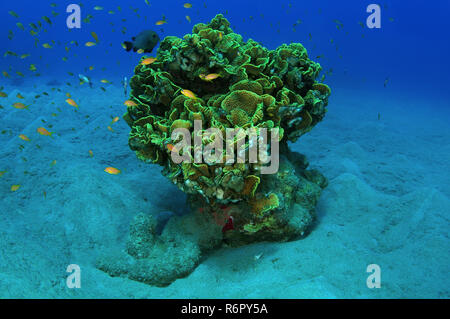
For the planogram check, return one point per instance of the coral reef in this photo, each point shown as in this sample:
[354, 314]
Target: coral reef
[215, 77]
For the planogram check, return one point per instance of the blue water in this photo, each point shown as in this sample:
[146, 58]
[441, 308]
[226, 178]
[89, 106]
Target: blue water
[384, 146]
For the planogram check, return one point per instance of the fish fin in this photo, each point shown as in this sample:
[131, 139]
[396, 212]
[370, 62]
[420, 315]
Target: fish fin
[128, 46]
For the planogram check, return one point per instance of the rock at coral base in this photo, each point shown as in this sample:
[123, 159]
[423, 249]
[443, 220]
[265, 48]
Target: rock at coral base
[282, 209]
[161, 259]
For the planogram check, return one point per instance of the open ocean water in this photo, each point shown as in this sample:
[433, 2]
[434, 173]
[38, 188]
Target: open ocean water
[384, 146]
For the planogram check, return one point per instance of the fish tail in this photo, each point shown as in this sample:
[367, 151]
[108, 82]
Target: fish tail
[128, 45]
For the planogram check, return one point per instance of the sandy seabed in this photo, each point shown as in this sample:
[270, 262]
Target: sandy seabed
[387, 203]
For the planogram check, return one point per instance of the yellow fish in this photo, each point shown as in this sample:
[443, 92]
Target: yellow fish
[43, 131]
[71, 102]
[91, 154]
[33, 68]
[160, 22]
[209, 77]
[5, 74]
[10, 53]
[20, 106]
[187, 5]
[46, 19]
[104, 81]
[112, 170]
[94, 35]
[90, 44]
[140, 51]
[53, 163]
[23, 56]
[15, 15]
[47, 46]
[130, 103]
[188, 94]
[98, 8]
[148, 61]
[24, 137]
[188, 18]
[14, 188]
[110, 128]
[115, 120]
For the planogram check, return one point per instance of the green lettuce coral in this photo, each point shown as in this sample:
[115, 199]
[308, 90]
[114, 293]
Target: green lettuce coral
[252, 87]
[256, 88]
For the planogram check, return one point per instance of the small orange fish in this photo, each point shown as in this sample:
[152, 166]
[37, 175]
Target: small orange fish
[71, 102]
[112, 170]
[20, 96]
[24, 137]
[5, 74]
[14, 188]
[110, 128]
[91, 154]
[209, 77]
[43, 131]
[160, 22]
[114, 120]
[171, 148]
[148, 61]
[220, 36]
[130, 103]
[20, 106]
[188, 94]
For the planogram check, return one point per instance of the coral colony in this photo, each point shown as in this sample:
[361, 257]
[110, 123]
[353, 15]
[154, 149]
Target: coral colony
[204, 91]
